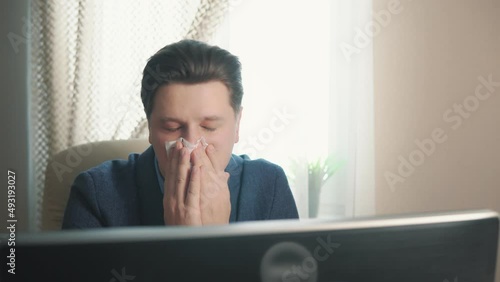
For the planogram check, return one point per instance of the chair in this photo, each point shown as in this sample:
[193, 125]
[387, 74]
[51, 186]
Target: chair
[62, 170]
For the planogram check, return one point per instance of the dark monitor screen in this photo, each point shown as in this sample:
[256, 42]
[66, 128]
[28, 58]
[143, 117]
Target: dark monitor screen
[453, 247]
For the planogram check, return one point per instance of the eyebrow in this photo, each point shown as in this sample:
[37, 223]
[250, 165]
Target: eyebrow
[213, 118]
[170, 119]
[207, 118]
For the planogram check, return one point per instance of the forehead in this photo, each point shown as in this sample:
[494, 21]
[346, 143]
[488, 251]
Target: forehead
[179, 99]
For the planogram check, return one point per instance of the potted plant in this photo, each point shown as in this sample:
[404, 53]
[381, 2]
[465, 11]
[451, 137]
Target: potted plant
[318, 172]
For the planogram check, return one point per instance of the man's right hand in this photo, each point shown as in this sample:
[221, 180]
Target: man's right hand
[181, 206]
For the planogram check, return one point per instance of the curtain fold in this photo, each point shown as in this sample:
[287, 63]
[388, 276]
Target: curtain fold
[86, 66]
[351, 105]
[207, 19]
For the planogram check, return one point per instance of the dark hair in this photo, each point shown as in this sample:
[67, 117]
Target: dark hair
[191, 62]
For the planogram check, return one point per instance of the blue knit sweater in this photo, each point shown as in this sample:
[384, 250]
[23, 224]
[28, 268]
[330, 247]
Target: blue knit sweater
[127, 193]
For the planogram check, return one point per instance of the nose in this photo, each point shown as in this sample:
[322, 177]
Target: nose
[191, 134]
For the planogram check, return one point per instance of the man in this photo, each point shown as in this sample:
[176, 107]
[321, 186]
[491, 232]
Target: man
[192, 95]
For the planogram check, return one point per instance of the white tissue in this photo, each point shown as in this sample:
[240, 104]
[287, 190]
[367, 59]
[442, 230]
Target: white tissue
[190, 146]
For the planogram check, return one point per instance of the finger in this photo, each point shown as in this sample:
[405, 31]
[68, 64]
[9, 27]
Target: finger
[212, 156]
[210, 187]
[194, 188]
[170, 149]
[173, 159]
[198, 158]
[182, 176]
[171, 173]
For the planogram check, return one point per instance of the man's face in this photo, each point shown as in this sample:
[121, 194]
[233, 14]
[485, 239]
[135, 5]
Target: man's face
[193, 111]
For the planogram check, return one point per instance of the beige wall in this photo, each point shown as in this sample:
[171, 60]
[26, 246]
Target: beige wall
[427, 59]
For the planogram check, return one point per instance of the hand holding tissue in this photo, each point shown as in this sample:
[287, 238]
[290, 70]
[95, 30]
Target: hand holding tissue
[196, 186]
[190, 146]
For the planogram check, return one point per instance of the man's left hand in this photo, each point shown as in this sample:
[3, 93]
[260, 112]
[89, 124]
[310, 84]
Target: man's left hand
[215, 201]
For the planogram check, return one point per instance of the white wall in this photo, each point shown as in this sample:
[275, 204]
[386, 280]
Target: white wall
[427, 59]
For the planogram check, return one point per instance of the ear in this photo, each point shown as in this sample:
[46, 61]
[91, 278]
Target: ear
[149, 134]
[238, 118]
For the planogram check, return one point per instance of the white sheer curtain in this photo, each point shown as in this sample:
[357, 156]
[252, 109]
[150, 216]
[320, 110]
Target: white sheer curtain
[87, 59]
[351, 131]
[304, 99]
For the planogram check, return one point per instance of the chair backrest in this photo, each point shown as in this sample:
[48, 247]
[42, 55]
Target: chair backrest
[63, 168]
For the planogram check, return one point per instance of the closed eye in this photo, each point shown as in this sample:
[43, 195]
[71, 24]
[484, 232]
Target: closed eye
[209, 128]
[172, 129]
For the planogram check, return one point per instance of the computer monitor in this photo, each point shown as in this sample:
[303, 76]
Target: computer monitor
[452, 247]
